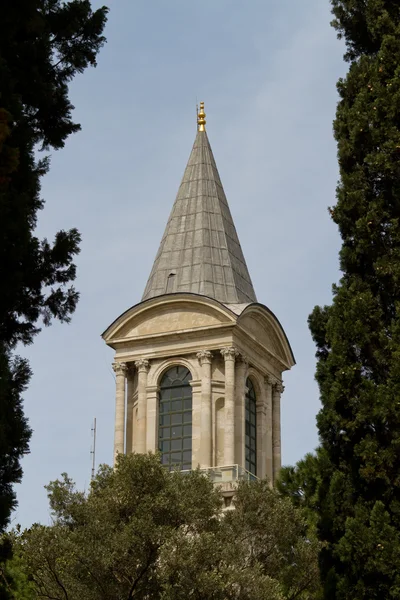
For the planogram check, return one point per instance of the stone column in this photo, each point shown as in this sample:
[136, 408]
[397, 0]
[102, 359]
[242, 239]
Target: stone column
[277, 390]
[142, 366]
[268, 435]
[205, 359]
[152, 419]
[129, 411]
[241, 376]
[120, 370]
[229, 355]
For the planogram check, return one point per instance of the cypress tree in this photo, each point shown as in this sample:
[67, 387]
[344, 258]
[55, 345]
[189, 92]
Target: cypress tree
[358, 335]
[43, 45]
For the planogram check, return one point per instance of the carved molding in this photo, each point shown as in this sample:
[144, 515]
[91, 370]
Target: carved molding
[152, 389]
[204, 357]
[230, 353]
[261, 406]
[120, 368]
[195, 384]
[217, 384]
[142, 365]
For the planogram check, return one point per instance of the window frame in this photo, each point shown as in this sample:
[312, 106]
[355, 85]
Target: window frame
[250, 425]
[175, 418]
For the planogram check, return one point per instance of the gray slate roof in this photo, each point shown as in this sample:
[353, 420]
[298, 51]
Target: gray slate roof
[200, 250]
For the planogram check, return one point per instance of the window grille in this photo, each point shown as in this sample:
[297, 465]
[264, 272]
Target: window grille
[175, 419]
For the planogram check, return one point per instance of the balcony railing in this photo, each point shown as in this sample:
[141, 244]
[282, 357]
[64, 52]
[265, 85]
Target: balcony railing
[227, 474]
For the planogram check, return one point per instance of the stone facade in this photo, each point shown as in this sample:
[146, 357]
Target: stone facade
[222, 349]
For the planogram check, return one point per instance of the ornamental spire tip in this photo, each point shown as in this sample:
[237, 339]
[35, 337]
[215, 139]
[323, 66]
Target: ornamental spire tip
[201, 118]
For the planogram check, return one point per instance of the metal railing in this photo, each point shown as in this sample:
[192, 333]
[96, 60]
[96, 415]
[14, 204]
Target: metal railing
[227, 474]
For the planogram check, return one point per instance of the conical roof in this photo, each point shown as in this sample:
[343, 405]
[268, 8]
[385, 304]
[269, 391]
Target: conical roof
[200, 250]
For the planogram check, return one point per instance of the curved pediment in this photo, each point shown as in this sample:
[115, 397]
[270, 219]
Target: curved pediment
[262, 325]
[171, 313]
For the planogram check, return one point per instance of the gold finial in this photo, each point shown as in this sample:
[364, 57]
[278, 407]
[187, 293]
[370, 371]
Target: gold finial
[201, 118]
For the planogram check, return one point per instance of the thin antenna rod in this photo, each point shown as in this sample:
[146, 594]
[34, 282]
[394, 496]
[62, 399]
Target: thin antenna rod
[93, 450]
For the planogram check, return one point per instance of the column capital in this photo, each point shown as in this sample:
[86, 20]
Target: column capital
[142, 365]
[275, 383]
[243, 359]
[268, 380]
[120, 368]
[229, 353]
[204, 357]
[278, 387]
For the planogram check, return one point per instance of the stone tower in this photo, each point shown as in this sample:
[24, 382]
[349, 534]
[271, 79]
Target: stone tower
[199, 362]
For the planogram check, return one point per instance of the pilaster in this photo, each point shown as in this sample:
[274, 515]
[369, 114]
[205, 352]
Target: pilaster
[240, 421]
[268, 435]
[152, 418]
[205, 359]
[229, 354]
[196, 422]
[142, 366]
[261, 436]
[120, 369]
[277, 390]
[129, 410]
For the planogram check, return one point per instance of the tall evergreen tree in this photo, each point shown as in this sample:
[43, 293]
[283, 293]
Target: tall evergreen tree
[43, 45]
[358, 335]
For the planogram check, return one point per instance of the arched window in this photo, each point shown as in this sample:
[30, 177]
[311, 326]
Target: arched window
[251, 429]
[175, 422]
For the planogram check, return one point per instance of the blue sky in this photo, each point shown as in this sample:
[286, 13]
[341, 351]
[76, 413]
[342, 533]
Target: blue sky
[266, 70]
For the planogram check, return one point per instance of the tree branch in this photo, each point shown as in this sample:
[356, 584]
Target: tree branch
[56, 578]
[42, 591]
[145, 568]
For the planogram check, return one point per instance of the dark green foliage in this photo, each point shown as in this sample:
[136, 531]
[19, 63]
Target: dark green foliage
[43, 44]
[14, 431]
[143, 532]
[14, 581]
[302, 483]
[364, 24]
[358, 336]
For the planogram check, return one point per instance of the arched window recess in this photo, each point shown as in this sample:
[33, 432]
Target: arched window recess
[175, 419]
